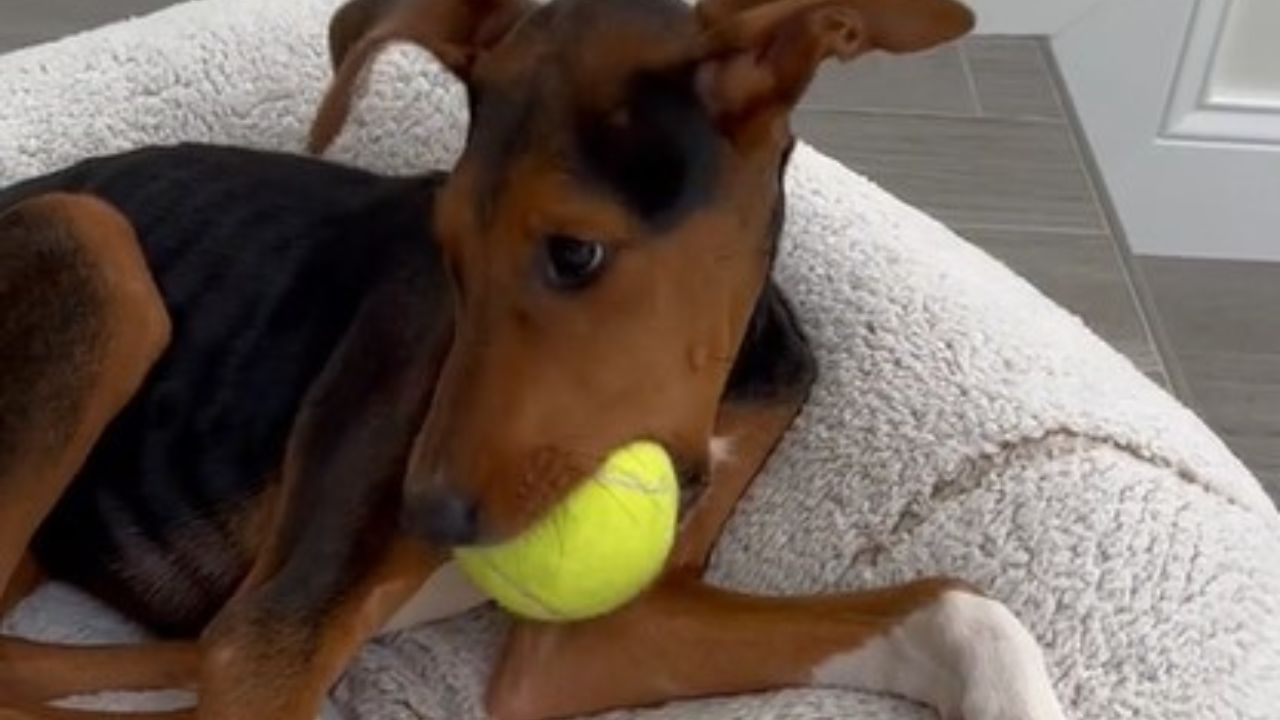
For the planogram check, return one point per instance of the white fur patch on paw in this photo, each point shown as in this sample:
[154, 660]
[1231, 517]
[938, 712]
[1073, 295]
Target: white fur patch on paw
[965, 655]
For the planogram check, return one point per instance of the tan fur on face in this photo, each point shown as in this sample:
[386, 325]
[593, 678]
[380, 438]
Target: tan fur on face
[541, 383]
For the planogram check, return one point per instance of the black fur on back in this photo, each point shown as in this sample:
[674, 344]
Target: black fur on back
[263, 261]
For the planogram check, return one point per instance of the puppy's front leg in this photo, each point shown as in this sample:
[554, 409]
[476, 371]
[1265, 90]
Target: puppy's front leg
[271, 658]
[335, 566]
[933, 641]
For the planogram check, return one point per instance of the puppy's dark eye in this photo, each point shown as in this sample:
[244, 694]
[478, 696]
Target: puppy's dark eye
[573, 263]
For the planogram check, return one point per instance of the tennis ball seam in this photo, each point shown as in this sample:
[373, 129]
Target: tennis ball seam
[628, 482]
[519, 589]
[633, 484]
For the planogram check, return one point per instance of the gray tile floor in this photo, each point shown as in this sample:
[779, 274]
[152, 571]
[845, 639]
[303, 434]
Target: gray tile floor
[979, 135]
[25, 22]
[1219, 323]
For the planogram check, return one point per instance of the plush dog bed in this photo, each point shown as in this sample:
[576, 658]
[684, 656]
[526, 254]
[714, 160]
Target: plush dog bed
[962, 424]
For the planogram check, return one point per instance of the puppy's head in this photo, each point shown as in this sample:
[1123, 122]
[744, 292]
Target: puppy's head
[610, 224]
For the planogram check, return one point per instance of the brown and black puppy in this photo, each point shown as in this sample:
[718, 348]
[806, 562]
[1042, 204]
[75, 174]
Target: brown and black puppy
[252, 399]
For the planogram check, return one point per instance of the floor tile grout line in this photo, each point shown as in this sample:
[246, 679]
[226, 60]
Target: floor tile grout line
[1237, 383]
[1143, 302]
[1098, 233]
[1143, 299]
[1149, 314]
[1084, 154]
[1048, 62]
[972, 79]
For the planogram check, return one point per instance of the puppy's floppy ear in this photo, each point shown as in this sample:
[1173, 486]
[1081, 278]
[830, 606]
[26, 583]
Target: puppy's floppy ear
[454, 31]
[352, 22]
[758, 56]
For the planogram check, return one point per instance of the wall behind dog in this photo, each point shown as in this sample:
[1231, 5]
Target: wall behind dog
[1027, 17]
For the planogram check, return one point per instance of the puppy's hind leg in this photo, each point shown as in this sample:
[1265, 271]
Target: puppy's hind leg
[81, 323]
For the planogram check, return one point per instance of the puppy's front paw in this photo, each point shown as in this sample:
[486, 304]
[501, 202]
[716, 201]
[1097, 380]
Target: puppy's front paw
[1001, 665]
[1041, 704]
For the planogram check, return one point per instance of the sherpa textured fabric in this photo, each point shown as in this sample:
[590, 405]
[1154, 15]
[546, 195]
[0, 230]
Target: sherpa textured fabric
[962, 423]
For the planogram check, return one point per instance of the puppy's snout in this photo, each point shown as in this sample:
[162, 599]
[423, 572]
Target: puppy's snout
[442, 516]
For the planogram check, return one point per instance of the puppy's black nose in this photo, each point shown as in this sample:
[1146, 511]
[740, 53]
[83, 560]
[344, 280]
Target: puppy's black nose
[442, 518]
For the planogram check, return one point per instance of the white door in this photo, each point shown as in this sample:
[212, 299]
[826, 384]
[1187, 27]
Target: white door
[1180, 100]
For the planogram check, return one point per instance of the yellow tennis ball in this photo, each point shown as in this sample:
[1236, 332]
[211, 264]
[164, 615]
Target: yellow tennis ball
[594, 551]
